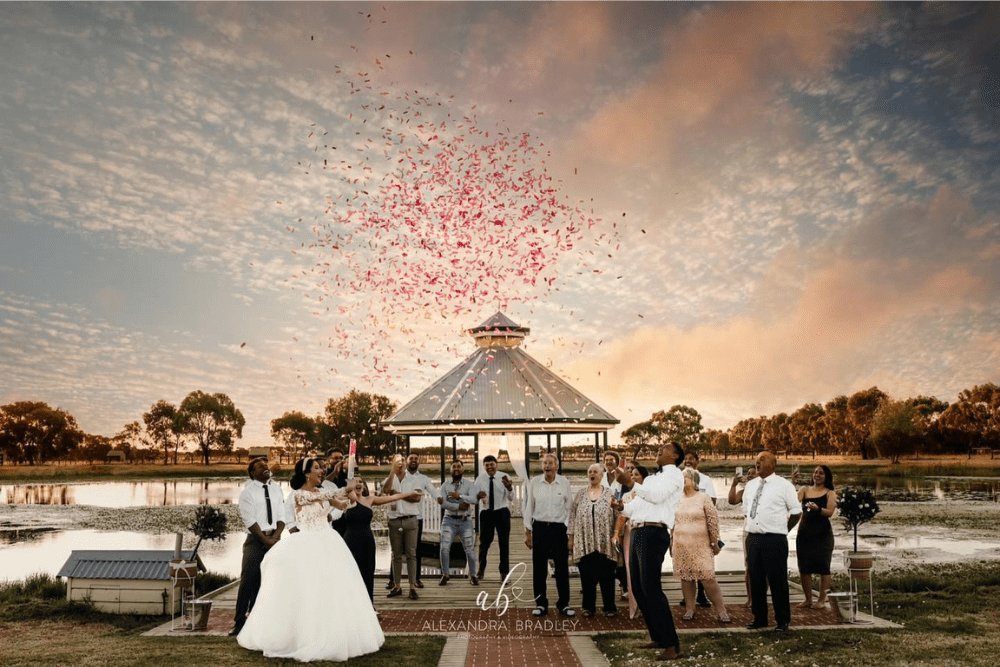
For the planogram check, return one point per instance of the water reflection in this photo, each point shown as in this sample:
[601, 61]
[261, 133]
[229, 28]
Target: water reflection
[125, 494]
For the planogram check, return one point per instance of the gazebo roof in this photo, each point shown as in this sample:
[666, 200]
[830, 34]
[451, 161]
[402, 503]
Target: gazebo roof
[500, 384]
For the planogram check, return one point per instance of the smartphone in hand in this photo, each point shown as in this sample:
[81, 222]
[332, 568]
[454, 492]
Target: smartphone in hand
[739, 471]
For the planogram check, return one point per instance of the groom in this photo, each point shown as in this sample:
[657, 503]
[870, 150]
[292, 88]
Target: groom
[262, 511]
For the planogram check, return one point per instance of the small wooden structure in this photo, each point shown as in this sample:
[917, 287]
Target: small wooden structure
[115, 456]
[260, 453]
[123, 582]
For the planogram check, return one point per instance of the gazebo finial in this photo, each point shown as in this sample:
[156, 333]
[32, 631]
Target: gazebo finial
[499, 331]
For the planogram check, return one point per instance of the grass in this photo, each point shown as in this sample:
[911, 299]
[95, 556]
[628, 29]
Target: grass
[948, 614]
[38, 626]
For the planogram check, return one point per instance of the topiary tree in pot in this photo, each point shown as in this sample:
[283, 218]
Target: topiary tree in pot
[857, 506]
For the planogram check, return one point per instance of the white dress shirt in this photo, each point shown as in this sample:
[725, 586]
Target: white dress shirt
[706, 485]
[253, 506]
[501, 496]
[768, 510]
[656, 497]
[410, 482]
[547, 501]
[615, 486]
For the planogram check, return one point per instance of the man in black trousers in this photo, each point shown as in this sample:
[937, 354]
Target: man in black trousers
[772, 508]
[652, 516]
[262, 511]
[495, 493]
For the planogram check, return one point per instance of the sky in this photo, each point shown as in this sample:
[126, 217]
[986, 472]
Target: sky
[742, 208]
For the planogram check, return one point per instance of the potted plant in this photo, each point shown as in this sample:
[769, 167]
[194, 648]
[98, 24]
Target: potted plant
[209, 524]
[857, 506]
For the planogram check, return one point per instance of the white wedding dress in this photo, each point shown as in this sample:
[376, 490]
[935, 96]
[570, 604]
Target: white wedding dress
[313, 603]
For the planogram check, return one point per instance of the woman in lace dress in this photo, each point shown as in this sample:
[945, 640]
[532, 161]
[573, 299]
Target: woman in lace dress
[591, 522]
[313, 603]
[695, 544]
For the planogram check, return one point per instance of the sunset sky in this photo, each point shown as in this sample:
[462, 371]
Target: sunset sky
[789, 201]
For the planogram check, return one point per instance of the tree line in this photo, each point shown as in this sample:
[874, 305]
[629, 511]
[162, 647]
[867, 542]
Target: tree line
[868, 423]
[33, 432]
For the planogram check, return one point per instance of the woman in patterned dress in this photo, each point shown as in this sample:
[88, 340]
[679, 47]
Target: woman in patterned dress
[695, 545]
[591, 522]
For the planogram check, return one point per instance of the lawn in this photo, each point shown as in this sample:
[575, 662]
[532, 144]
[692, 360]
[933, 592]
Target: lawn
[948, 612]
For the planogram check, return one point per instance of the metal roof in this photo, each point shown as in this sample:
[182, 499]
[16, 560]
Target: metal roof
[499, 385]
[499, 322]
[105, 564]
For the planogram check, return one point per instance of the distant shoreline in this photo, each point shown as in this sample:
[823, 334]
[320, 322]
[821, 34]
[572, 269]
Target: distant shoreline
[52, 473]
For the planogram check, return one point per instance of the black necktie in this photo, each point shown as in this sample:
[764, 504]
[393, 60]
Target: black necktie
[267, 499]
[491, 494]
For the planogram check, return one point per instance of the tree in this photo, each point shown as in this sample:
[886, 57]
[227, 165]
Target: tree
[679, 424]
[746, 434]
[212, 420]
[896, 430]
[94, 448]
[716, 440]
[130, 440]
[34, 432]
[163, 428]
[838, 428]
[861, 409]
[975, 416]
[807, 429]
[295, 431]
[358, 416]
[774, 432]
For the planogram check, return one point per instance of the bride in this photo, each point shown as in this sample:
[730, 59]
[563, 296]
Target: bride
[313, 603]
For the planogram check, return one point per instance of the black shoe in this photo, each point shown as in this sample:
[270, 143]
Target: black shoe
[480, 574]
[540, 611]
[704, 604]
[782, 627]
[389, 586]
[444, 580]
[567, 611]
[756, 626]
[234, 632]
[474, 581]
[395, 592]
[418, 583]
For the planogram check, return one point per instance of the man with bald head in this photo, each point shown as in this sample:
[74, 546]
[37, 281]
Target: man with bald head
[772, 508]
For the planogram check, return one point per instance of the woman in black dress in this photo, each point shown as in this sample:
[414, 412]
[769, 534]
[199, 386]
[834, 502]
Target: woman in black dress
[358, 519]
[814, 542]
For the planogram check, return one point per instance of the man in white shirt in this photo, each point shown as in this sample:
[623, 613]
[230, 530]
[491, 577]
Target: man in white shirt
[547, 503]
[771, 506]
[262, 509]
[608, 481]
[706, 486]
[652, 515]
[405, 521]
[495, 493]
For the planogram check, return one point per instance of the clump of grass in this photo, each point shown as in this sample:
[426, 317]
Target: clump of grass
[206, 582]
[39, 586]
[43, 597]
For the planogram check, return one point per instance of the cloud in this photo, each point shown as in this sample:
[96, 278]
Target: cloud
[869, 309]
[721, 70]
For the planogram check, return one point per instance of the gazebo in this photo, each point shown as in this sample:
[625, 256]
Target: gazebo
[501, 397]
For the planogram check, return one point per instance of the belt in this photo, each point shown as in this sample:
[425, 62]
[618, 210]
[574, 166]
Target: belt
[648, 524]
[458, 516]
[404, 516]
[548, 523]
